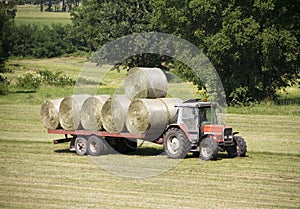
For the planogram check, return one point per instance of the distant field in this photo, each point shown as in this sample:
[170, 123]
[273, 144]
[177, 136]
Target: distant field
[31, 14]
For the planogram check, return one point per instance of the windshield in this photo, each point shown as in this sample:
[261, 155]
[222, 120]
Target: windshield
[208, 115]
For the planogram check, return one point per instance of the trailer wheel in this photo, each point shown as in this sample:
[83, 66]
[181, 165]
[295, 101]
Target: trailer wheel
[81, 145]
[241, 146]
[96, 146]
[176, 144]
[208, 149]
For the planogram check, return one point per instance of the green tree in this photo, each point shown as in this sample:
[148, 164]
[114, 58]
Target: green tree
[254, 45]
[97, 22]
[7, 14]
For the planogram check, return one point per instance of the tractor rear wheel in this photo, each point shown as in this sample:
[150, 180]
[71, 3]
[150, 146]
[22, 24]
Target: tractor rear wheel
[81, 145]
[176, 144]
[208, 149]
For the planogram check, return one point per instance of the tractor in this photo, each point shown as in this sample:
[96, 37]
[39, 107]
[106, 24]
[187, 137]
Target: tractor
[198, 129]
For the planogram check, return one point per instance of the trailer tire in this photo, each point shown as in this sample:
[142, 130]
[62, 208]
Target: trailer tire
[241, 146]
[96, 146]
[176, 144]
[81, 145]
[208, 149]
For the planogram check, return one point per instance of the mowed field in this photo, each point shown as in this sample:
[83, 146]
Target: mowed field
[31, 14]
[35, 173]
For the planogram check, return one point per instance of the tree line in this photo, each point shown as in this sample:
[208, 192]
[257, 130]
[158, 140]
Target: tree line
[254, 45]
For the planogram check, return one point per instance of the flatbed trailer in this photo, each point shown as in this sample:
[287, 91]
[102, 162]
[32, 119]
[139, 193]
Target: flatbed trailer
[100, 142]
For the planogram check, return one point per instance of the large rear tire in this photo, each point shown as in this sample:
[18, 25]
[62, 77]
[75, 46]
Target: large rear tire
[96, 146]
[80, 145]
[208, 149]
[176, 144]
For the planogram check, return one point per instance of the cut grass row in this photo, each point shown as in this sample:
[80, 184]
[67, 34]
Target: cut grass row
[31, 14]
[36, 173]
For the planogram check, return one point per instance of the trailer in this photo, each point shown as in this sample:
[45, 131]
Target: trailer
[96, 143]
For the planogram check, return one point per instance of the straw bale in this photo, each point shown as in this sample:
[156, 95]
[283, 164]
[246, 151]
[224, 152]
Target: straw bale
[91, 112]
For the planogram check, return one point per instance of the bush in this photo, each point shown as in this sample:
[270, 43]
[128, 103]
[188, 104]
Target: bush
[29, 81]
[4, 83]
[55, 78]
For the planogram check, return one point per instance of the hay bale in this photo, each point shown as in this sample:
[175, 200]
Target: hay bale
[69, 111]
[50, 113]
[91, 112]
[148, 116]
[151, 116]
[113, 113]
[172, 110]
[145, 83]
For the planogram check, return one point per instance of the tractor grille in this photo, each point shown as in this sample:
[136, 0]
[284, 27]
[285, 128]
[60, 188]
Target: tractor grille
[227, 135]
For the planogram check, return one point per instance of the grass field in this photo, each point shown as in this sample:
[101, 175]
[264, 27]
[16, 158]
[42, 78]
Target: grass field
[32, 14]
[38, 174]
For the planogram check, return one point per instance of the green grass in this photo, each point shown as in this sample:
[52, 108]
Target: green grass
[37, 174]
[27, 14]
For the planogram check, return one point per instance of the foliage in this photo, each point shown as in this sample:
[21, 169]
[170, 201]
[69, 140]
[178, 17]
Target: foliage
[41, 40]
[33, 80]
[7, 14]
[55, 78]
[29, 81]
[98, 22]
[253, 45]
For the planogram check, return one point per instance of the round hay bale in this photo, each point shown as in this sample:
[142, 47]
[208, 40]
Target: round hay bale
[69, 111]
[50, 113]
[172, 110]
[113, 113]
[91, 112]
[148, 116]
[145, 83]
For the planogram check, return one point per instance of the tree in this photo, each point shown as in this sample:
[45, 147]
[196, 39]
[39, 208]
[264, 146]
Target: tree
[97, 22]
[7, 14]
[254, 45]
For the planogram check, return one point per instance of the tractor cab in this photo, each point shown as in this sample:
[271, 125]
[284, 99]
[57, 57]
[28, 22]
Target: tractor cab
[195, 117]
[199, 129]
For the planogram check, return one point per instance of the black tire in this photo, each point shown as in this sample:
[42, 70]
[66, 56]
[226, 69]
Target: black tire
[208, 149]
[241, 146]
[176, 144]
[126, 145]
[81, 145]
[232, 151]
[96, 146]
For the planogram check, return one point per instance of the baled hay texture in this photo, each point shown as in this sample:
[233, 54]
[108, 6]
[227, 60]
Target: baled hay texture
[113, 113]
[69, 111]
[91, 112]
[50, 113]
[172, 110]
[148, 116]
[145, 83]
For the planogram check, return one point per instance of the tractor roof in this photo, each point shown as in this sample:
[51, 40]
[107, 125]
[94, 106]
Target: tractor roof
[196, 103]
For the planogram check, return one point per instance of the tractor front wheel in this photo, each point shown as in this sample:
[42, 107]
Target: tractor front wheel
[208, 149]
[176, 144]
[241, 146]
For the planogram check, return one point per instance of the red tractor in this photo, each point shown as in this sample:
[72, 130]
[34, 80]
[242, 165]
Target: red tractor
[199, 130]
